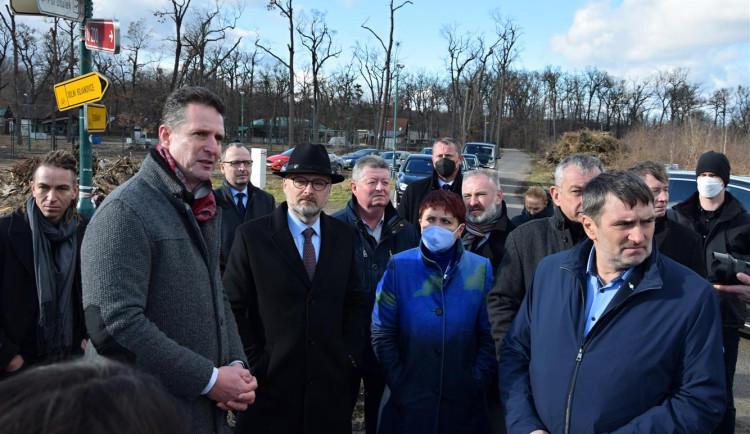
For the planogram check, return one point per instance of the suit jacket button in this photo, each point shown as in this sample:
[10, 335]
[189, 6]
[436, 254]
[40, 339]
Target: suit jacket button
[438, 311]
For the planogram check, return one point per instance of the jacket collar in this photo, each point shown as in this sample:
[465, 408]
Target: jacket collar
[456, 182]
[390, 216]
[431, 264]
[645, 276]
[691, 207]
[281, 236]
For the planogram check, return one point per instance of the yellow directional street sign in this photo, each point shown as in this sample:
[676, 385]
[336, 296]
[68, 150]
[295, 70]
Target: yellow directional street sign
[80, 90]
[96, 118]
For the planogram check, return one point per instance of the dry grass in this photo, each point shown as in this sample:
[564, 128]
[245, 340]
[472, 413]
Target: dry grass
[683, 145]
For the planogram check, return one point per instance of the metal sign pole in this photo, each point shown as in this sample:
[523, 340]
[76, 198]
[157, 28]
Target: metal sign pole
[85, 178]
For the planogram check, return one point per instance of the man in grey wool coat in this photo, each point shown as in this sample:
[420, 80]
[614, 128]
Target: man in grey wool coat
[152, 293]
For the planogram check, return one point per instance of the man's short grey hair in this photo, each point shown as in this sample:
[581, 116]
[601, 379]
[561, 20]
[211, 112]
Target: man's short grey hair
[448, 141]
[173, 114]
[232, 145]
[624, 185]
[586, 163]
[650, 168]
[492, 175]
[371, 161]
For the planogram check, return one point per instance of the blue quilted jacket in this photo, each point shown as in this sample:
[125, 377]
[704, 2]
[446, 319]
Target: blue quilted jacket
[432, 337]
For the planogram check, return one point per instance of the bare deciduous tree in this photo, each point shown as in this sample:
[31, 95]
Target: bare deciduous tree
[286, 10]
[316, 37]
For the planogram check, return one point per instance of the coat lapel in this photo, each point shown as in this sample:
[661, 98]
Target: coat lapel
[19, 234]
[328, 241]
[281, 237]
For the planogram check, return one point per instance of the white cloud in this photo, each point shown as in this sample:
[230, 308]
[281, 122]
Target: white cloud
[638, 37]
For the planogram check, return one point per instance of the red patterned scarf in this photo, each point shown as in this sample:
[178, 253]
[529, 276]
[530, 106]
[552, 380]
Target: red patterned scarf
[204, 205]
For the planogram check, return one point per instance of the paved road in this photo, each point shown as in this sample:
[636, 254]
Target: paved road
[742, 388]
[514, 167]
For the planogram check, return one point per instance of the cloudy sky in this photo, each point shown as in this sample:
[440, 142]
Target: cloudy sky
[628, 38]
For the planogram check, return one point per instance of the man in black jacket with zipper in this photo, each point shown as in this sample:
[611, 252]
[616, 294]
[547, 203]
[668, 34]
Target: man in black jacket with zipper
[673, 239]
[380, 234]
[446, 160]
[724, 224]
[240, 199]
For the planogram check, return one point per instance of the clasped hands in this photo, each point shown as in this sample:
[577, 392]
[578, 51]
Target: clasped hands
[234, 388]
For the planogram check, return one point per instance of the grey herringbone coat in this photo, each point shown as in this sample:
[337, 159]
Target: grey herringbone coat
[152, 292]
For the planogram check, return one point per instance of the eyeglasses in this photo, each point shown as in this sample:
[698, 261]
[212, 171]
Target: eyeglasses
[318, 184]
[238, 163]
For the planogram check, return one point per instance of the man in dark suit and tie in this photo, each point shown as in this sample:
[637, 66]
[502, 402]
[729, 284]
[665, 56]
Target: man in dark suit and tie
[240, 199]
[295, 291]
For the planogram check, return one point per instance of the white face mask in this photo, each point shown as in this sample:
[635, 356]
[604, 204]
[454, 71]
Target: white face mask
[709, 187]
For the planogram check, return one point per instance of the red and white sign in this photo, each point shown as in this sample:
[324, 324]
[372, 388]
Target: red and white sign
[103, 35]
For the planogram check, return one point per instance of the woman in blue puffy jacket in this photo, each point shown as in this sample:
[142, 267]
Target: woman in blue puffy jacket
[430, 330]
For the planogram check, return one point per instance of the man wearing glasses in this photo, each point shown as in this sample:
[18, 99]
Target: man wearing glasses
[240, 199]
[295, 292]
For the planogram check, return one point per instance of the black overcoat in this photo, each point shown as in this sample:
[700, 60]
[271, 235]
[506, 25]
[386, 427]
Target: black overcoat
[19, 306]
[298, 334]
[259, 204]
[415, 193]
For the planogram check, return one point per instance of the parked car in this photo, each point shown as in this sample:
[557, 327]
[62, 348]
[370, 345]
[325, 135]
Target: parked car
[472, 162]
[682, 185]
[337, 165]
[484, 151]
[400, 158]
[416, 166]
[427, 151]
[276, 162]
[351, 159]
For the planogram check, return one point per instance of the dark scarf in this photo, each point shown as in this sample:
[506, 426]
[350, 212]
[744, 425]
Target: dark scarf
[54, 269]
[204, 204]
[477, 232]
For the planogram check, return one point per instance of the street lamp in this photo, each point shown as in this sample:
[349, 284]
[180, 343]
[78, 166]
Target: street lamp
[485, 128]
[395, 116]
[28, 120]
[242, 115]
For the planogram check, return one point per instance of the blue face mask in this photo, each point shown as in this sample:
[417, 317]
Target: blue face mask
[437, 239]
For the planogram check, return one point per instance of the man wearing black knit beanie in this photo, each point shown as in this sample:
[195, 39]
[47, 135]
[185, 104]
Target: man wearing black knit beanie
[724, 224]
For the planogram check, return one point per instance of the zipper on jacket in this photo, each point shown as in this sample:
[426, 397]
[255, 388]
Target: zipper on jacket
[579, 357]
[585, 341]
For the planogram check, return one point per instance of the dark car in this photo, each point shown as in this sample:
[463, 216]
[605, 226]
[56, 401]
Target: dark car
[484, 151]
[426, 151]
[351, 159]
[416, 166]
[682, 185]
[472, 162]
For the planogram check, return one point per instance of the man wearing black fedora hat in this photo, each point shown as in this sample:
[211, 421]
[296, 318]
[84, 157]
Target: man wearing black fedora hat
[295, 291]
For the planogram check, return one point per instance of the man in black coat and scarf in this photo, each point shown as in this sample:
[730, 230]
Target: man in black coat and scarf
[487, 223]
[41, 314]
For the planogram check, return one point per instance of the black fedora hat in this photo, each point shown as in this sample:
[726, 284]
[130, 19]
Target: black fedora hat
[310, 158]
